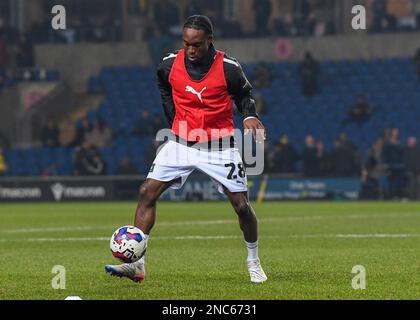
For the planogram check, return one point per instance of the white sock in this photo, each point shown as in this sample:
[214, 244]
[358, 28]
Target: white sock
[252, 248]
[141, 260]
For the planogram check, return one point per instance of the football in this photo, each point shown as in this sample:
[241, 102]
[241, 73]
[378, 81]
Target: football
[128, 244]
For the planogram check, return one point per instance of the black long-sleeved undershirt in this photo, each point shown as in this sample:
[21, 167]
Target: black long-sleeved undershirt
[238, 85]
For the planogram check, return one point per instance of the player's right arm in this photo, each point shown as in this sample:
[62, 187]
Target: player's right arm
[165, 88]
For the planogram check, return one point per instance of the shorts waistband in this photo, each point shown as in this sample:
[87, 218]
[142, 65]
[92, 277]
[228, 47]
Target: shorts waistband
[219, 144]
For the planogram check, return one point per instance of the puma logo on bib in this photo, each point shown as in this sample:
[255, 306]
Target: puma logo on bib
[193, 91]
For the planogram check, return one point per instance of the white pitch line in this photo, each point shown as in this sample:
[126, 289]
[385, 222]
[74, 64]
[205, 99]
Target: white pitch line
[54, 229]
[211, 222]
[349, 236]
[300, 236]
[379, 235]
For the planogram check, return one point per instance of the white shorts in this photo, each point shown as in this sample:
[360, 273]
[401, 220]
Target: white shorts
[178, 161]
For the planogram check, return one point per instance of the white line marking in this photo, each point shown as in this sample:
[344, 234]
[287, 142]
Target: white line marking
[379, 235]
[299, 236]
[55, 229]
[215, 222]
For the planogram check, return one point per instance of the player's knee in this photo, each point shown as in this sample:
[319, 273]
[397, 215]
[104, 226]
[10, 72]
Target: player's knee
[242, 207]
[146, 195]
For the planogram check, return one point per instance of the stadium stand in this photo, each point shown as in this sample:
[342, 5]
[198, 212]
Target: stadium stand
[390, 85]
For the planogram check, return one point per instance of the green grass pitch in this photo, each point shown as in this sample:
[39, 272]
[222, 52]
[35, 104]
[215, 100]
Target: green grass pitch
[196, 251]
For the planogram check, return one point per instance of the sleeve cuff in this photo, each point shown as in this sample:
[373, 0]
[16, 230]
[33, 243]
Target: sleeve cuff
[252, 117]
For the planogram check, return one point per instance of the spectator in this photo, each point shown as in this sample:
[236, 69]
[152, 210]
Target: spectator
[301, 13]
[159, 43]
[284, 27]
[87, 161]
[262, 11]
[231, 28]
[360, 112]
[193, 7]
[167, 15]
[393, 157]
[126, 167]
[49, 134]
[100, 135]
[323, 159]
[309, 71]
[387, 134]
[319, 21]
[417, 61]
[79, 154]
[357, 156]
[311, 165]
[379, 15]
[67, 134]
[417, 13]
[4, 54]
[82, 131]
[261, 76]
[370, 187]
[269, 157]
[286, 157]
[345, 142]
[412, 166]
[375, 167]
[3, 163]
[25, 55]
[4, 142]
[3, 78]
[343, 162]
[4, 61]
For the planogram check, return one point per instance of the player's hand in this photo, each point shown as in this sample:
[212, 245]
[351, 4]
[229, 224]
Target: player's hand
[257, 129]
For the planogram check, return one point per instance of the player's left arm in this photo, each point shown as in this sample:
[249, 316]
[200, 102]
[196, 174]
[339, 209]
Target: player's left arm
[241, 91]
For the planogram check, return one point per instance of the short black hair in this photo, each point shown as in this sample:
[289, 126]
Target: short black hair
[200, 22]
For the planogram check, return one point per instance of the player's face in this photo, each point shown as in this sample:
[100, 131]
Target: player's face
[196, 43]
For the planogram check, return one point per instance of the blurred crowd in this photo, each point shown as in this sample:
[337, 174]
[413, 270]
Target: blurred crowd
[314, 160]
[103, 20]
[300, 18]
[16, 56]
[395, 15]
[389, 170]
[85, 138]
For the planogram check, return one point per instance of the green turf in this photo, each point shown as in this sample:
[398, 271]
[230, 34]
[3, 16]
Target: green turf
[301, 249]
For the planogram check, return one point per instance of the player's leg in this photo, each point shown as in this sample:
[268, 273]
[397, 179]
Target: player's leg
[246, 215]
[226, 167]
[145, 217]
[249, 226]
[149, 193]
[166, 171]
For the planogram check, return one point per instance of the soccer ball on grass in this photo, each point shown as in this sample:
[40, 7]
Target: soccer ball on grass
[128, 244]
